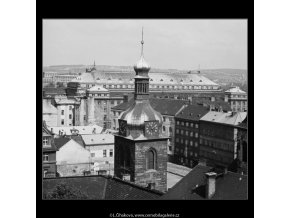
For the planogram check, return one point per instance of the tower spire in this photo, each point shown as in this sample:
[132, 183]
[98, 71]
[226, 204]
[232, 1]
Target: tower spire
[142, 42]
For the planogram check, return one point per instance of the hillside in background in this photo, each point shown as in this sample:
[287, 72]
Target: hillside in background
[224, 77]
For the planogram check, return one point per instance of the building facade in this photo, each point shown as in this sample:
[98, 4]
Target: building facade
[219, 138]
[49, 153]
[186, 150]
[72, 159]
[101, 148]
[237, 98]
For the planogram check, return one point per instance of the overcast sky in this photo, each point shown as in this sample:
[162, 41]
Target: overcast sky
[172, 44]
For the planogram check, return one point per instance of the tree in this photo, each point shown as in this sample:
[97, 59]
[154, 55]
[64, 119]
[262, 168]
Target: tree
[64, 191]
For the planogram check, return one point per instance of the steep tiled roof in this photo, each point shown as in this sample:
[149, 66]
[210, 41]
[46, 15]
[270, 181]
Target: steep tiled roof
[103, 188]
[167, 106]
[46, 132]
[59, 142]
[54, 91]
[98, 139]
[164, 106]
[226, 118]
[230, 186]
[193, 112]
[235, 90]
[123, 106]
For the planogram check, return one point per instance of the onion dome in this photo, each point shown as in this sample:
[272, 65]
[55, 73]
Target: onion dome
[139, 112]
[142, 65]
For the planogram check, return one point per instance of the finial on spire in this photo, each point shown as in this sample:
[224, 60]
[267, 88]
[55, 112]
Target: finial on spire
[142, 42]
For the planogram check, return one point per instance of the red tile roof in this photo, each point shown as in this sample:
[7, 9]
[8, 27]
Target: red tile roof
[164, 106]
[103, 188]
[229, 186]
[193, 112]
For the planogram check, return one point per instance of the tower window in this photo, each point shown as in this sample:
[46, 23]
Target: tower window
[151, 159]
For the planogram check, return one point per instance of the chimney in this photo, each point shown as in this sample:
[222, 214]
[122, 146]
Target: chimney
[125, 98]
[210, 186]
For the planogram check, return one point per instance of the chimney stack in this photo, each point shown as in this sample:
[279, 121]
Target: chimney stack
[210, 186]
[125, 98]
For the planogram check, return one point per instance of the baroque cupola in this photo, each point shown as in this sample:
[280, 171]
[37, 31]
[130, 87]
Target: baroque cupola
[141, 120]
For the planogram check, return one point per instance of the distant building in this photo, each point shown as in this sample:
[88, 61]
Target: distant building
[99, 109]
[49, 112]
[205, 183]
[237, 99]
[219, 138]
[72, 159]
[49, 153]
[101, 148]
[186, 151]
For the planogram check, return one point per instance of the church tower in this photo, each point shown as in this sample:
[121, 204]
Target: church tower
[140, 147]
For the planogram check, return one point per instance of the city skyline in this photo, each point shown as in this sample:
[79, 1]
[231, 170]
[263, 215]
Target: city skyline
[209, 44]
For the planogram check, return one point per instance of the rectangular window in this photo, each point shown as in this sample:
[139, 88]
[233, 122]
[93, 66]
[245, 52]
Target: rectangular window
[186, 123]
[70, 108]
[70, 116]
[191, 124]
[186, 133]
[191, 133]
[62, 112]
[111, 152]
[45, 157]
[62, 121]
[104, 153]
[85, 117]
[177, 122]
[196, 144]
[191, 143]
[196, 125]
[181, 132]
[182, 123]
[45, 141]
[196, 135]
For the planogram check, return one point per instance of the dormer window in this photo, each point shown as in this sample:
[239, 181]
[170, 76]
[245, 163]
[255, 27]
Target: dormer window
[45, 142]
[171, 80]
[151, 79]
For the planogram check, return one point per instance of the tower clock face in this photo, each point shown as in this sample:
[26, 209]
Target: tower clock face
[151, 128]
[122, 127]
